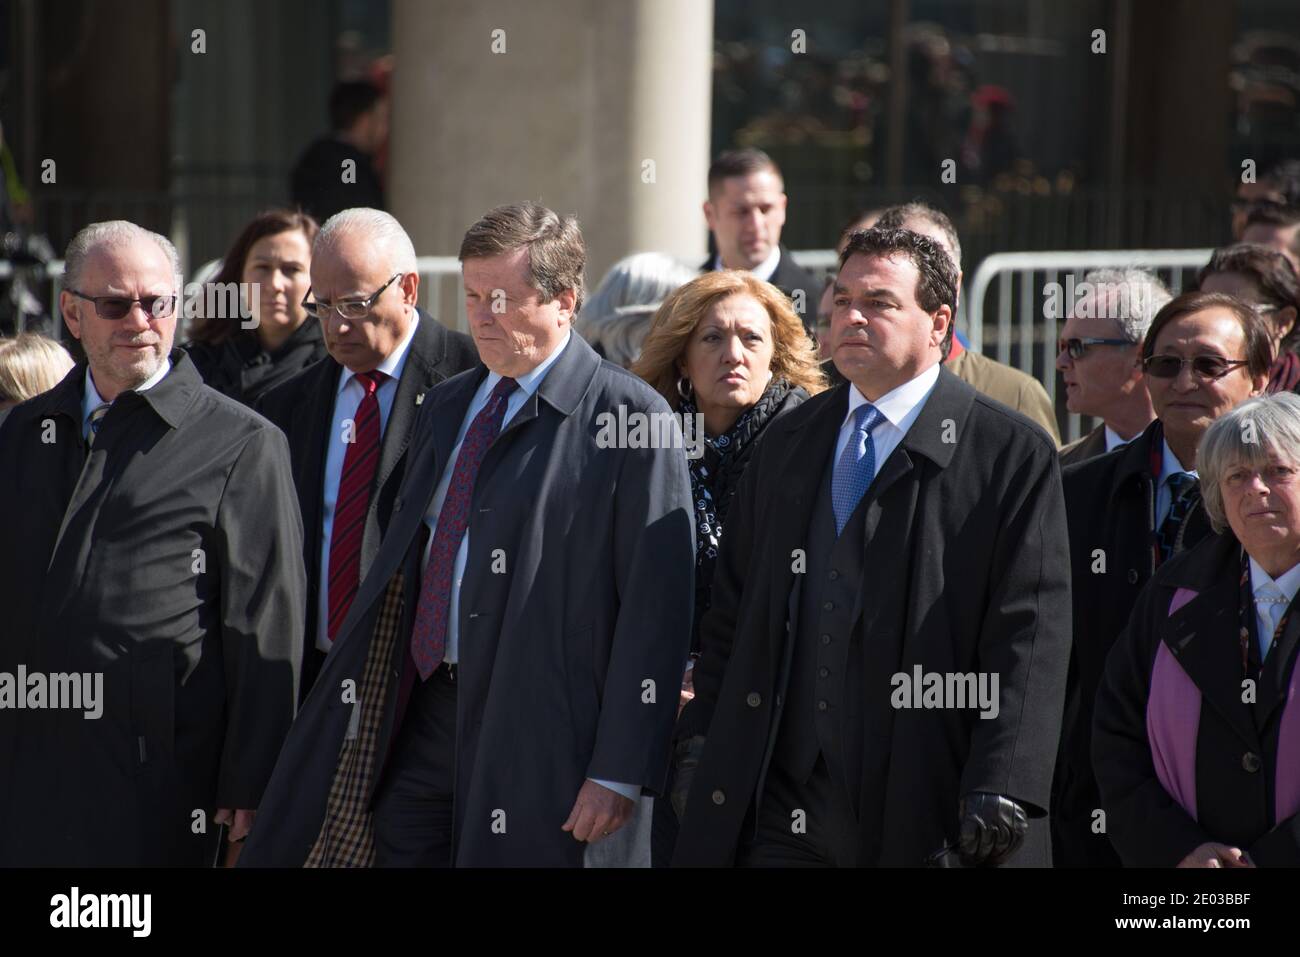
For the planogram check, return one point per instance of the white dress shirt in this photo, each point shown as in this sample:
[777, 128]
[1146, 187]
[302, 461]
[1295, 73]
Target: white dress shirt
[346, 402]
[763, 270]
[899, 406]
[1169, 465]
[1114, 440]
[528, 384]
[92, 400]
[1272, 596]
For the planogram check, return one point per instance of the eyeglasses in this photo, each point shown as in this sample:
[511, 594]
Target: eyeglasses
[351, 309]
[1206, 367]
[1078, 348]
[113, 308]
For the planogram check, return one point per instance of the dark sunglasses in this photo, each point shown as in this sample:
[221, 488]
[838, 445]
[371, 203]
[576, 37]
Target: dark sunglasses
[1078, 348]
[1206, 367]
[113, 308]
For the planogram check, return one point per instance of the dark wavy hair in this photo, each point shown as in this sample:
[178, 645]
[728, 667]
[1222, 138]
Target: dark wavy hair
[215, 330]
[936, 284]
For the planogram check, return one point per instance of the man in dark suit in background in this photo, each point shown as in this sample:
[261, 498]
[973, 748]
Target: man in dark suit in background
[153, 553]
[337, 172]
[350, 416]
[892, 532]
[505, 683]
[746, 211]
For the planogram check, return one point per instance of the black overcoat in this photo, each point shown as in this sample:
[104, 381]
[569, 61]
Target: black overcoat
[1227, 755]
[170, 563]
[966, 570]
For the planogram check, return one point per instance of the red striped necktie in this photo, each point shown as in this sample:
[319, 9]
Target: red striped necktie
[359, 464]
[429, 634]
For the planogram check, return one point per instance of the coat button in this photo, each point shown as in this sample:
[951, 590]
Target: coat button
[826, 639]
[834, 575]
[823, 672]
[1132, 576]
[753, 699]
[1250, 762]
[719, 797]
[822, 706]
[828, 606]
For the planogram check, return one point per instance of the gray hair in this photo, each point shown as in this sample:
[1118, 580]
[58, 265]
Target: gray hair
[1129, 297]
[115, 232]
[1246, 436]
[381, 228]
[617, 316]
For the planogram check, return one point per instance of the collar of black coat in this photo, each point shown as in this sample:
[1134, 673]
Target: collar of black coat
[170, 398]
[1135, 458]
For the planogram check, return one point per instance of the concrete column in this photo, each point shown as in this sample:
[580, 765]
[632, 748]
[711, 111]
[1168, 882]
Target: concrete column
[589, 99]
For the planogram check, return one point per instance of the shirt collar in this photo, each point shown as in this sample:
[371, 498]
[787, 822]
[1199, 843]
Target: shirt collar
[764, 270]
[529, 381]
[394, 362]
[1288, 583]
[1114, 440]
[93, 400]
[898, 403]
[1169, 464]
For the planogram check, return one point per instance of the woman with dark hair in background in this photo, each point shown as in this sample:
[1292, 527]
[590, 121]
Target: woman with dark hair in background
[243, 358]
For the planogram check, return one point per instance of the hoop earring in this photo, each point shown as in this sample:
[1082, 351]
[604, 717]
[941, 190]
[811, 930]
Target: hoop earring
[686, 392]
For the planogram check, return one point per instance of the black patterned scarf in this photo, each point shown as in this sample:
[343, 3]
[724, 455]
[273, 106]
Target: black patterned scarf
[714, 477]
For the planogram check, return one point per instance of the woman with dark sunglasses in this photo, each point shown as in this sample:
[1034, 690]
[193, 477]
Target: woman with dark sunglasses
[1131, 510]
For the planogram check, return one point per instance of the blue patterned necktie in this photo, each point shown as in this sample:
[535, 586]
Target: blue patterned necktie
[856, 467]
[1183, 498]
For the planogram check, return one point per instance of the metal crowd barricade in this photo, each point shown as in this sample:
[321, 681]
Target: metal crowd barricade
[1009, 292]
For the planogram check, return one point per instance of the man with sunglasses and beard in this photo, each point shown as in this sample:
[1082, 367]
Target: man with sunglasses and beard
[1134, 508]
[152, 572]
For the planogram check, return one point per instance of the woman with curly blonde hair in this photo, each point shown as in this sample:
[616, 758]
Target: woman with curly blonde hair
[729, 348]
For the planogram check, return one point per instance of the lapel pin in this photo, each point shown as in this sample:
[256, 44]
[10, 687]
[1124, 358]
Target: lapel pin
[419, 399]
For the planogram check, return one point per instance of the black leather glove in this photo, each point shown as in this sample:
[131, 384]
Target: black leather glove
[686, 758]
[992, 828]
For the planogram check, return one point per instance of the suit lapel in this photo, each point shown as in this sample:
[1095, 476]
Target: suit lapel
[1203, 636]
[418, 376]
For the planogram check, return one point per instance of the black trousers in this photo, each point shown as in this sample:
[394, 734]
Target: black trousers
[802, 824]
[413, 806]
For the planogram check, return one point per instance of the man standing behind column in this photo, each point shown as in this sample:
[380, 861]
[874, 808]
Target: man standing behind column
[900, 523]
[350, 416]
[516, 648]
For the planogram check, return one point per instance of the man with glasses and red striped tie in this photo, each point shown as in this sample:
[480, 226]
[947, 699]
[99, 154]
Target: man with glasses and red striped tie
[504, 684]
[350, 416]
[1132, 509]
[152, 544]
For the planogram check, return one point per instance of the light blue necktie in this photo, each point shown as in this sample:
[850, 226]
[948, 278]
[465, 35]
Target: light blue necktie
[856, 467]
